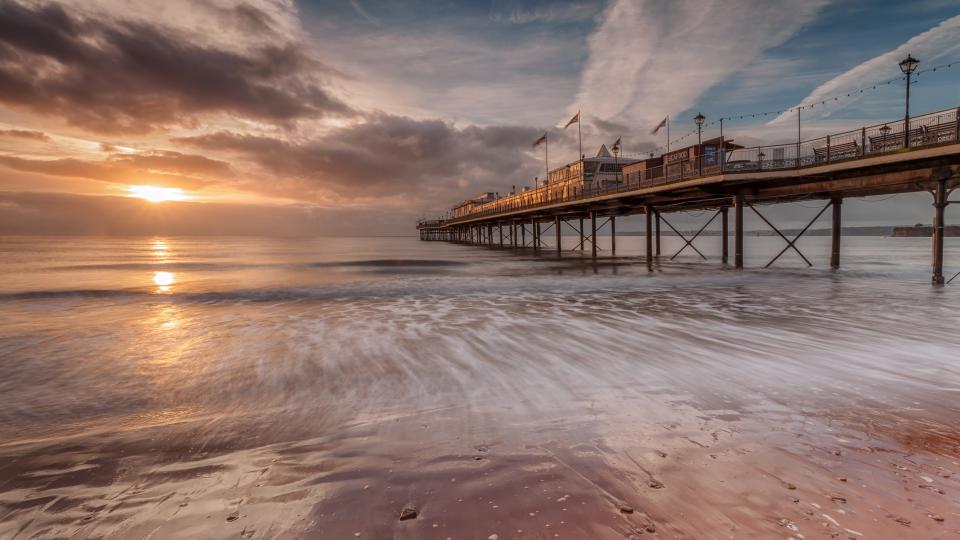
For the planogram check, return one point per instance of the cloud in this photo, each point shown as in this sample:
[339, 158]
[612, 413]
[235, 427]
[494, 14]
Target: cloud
[357, 7]
[940, 42]
[649, 58]
[25, 134]
[161, 168]
[466, 69]
[554, 13]
[65, 214]
[112, 75]
[420, 161]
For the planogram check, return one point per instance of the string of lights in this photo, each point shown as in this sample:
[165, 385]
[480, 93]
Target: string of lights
[830, 99]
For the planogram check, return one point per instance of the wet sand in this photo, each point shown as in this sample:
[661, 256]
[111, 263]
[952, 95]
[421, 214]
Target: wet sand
[604, 471]
[557, 404]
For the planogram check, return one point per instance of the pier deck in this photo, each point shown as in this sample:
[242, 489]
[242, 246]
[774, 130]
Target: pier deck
[878, 160]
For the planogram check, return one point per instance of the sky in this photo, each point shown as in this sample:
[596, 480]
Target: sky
[357, 117]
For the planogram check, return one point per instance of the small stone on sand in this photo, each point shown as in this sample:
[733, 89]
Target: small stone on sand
[936, 517]
[408, 513]
[625, 508]
[655, 484]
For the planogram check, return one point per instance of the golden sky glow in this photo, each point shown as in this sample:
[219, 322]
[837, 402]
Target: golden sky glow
[157, 194]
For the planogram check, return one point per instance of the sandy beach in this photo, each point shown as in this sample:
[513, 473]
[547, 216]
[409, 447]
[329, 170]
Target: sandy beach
[493, 398]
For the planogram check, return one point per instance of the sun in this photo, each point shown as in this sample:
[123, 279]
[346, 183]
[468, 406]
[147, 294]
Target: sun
[157, 194]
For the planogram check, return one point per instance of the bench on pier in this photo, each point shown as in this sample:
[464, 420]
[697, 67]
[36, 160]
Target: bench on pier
[834, 152]
[937, 133]
[920, 136]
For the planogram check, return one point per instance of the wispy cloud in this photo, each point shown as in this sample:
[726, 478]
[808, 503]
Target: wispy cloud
[577, 11]
[940, 42]
[358, 7]
[25, 134]
[648, 58]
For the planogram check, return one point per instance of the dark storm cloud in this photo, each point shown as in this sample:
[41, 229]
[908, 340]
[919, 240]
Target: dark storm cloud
[159, 168]
[25, 134]
[387, 155]
[114, 76]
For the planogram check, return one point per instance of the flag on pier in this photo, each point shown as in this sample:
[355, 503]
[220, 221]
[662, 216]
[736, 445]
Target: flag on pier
[576, 120]
[616, 146]
[541, 140]
[662, 124]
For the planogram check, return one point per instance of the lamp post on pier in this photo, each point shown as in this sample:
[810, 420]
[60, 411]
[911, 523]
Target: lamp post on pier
[699, 119]
[907, 66]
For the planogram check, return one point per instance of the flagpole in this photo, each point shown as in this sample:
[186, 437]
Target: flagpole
[668, 133]
[546, 159]
[579, 133]
[616, 159]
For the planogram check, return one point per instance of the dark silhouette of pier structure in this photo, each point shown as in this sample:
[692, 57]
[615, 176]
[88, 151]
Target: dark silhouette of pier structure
[727, 179]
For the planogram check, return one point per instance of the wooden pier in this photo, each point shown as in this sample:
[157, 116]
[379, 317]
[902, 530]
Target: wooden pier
[876, 160]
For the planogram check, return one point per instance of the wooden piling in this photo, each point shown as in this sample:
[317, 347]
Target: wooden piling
[613, 234]
[738, 231]
[593, 237]
[649, 231]
[724, 235]
[556, 225]
[657, 214]
[837, 203]
[581, 234]
[940, 204]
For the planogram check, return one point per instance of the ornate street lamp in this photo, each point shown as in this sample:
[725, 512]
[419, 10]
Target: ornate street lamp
[884, 134]
[699, 119]
[907, 66]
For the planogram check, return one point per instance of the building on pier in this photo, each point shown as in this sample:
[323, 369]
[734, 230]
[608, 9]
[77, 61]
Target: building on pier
[470, 205]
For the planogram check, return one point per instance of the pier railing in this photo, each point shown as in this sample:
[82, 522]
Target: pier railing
[868, 141]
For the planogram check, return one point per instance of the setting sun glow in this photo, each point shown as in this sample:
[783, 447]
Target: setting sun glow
[157, 194]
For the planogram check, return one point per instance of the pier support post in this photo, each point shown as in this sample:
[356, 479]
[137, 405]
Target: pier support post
[837, 203]
[593, 238]
[738, 231]
[613, 234]
[556, 225]
[724, 235]
[537, 244]
[500, 229]
[581, 235]
[649, 231]
[523, 235]
[939, 204]
[657, 215]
